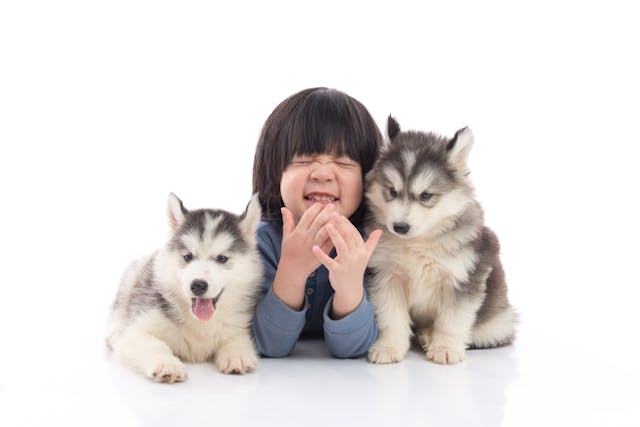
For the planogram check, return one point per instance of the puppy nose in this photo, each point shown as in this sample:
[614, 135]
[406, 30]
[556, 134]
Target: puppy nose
[401, 227]
[199, 287]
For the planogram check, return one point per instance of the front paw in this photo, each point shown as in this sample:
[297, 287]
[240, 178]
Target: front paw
[236, 361]
[445, 355]
[425, 336]
[167, 371]
[385, 352]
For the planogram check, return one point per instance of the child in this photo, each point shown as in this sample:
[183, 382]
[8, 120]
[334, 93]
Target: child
[311, 158]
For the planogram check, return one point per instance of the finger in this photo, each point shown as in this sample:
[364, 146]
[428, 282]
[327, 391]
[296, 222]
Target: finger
[309, 215]
[338, 241]
[287, 221]
[327, 246]
[323, 240]
[372, 242]
[323, 258]
[322, 218]
[321, 236]
[347, 230]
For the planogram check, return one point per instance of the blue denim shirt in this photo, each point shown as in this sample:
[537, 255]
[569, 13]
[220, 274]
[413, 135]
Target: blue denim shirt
[277, 327]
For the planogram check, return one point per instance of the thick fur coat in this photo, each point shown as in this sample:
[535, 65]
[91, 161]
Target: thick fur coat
[436, 273]
[193, 299]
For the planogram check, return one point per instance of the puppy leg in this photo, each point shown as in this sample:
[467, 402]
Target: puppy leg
[424, 336]
[451, 330]
[149, 355]
[237, 355]
[394, 323]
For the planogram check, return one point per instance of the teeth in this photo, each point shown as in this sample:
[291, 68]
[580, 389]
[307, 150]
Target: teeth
[321, 198]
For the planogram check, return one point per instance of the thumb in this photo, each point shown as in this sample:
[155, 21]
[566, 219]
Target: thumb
[287, 221]
[372, 241]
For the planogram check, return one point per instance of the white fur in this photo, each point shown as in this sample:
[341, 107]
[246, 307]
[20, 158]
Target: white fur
[417, 285]
[502, 325]
[153, 344]
[459, 155]
[421, 294]
[204, 266]
[409, 160]
[422, 182]
[394, 178]
[174, 211]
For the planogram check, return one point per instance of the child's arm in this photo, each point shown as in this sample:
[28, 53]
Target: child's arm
[352, 335]
[288, 261]
[349, 318]
[276, 327]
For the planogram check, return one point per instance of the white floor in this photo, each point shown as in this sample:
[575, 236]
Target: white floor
[535, 382]
[106, 107]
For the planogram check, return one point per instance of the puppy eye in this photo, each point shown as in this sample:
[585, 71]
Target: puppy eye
[424, 196]
[188, 257]
[222, 259]
[392, 192]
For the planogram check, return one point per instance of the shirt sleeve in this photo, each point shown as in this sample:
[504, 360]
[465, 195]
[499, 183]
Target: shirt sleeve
[352, 335]
[276, 327]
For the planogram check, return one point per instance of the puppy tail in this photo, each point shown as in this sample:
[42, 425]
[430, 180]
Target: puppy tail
[498, 331]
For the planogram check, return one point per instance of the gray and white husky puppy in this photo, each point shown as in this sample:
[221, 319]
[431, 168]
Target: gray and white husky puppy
[193, 299]
[436, 268]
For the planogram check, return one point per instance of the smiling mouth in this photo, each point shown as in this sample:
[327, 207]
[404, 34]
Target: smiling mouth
[203, 308]
[320, 198]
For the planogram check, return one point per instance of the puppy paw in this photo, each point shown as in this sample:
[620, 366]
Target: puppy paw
[424, 338]
[230, 362]
[381, 353]
[445, 355]
[168, 371]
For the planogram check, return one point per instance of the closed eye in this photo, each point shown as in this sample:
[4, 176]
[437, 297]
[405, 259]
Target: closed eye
[346, 164]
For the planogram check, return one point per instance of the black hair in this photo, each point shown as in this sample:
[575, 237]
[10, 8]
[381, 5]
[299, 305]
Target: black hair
[313, 121]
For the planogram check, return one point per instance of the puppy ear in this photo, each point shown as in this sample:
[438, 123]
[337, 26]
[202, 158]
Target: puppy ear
[176, 212]
[369, 178]
[250, 219]
[393, 128]
[458, 150]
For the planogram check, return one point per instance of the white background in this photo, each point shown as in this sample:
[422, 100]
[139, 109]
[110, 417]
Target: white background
[106, 107]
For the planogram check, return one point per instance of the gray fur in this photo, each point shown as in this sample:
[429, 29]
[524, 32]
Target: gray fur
[192, 299]
[450, 242]
[146, 294]
[197, 220]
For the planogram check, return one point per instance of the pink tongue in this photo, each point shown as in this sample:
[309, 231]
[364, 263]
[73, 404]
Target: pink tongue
[203, 309]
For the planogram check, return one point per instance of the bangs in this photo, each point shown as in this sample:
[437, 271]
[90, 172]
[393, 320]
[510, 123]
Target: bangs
[329, 122]
[313, 121]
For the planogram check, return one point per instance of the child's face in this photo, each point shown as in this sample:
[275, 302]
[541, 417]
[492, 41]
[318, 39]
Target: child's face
[321, 178]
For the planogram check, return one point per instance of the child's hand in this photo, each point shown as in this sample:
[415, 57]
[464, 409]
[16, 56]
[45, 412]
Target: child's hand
[346, 270]
[297, 260]
[298, 240]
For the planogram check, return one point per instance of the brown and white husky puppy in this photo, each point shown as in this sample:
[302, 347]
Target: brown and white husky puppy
[436, 272]
[193, 299]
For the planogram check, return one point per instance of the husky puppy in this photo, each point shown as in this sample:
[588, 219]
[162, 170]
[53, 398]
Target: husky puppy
[436, 267]
[193, 299]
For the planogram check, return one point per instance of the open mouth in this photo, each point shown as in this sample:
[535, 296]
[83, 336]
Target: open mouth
[319, 197]
[203, 308]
